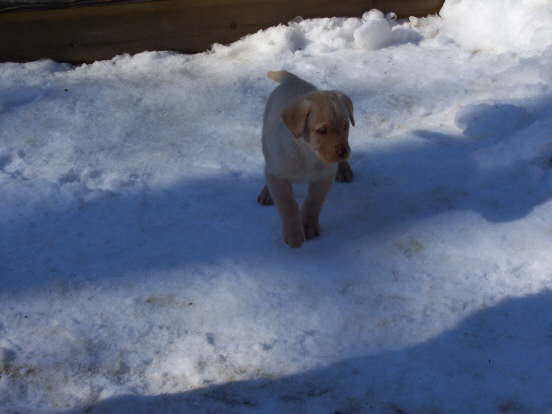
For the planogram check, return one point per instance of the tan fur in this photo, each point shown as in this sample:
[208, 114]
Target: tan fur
[305, 138]
[277, 76]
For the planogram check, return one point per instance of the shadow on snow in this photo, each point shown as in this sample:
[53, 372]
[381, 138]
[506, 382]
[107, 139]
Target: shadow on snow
[497, 360]
[209, 220]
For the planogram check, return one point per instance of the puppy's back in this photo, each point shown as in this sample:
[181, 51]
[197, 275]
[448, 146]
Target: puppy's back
[290, 88]
[285, 155]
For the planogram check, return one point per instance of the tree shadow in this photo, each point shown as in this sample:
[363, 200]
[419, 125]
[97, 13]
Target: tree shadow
[498, 360]
[195, 221]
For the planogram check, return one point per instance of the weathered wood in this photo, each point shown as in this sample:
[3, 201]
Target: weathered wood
[88, 33]
[14, 5]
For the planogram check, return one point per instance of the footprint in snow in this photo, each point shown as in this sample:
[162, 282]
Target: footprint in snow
[492, 120]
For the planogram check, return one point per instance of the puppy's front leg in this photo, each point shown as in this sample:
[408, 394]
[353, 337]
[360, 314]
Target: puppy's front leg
[264, 197]
[310, 210]
[282, 194]
[344, 172]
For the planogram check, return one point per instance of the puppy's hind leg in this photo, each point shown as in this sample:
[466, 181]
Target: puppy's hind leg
[264, 197]
[344, 172]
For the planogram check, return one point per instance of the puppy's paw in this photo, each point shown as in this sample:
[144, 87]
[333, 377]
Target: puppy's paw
[294, 237]
[312, 228]
[264, 197]
[344, 172]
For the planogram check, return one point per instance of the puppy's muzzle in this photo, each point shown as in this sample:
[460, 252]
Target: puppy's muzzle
[342, 152]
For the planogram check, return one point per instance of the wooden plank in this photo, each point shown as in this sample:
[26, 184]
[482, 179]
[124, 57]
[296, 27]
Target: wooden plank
[13, 5]
[85, 34]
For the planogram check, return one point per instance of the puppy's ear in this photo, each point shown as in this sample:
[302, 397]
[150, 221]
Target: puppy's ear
[295, 116]
[348, 104]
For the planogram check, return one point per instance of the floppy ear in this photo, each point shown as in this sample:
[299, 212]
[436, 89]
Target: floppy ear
[295, 116]
[349, 104]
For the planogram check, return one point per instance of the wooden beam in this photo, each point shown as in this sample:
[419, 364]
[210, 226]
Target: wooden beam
[96, 32]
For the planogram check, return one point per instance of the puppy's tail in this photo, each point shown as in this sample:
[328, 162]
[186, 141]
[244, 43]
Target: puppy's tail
[281, 76]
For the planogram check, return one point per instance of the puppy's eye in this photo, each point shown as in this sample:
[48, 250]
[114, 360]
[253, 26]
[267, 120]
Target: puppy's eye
[322, 130]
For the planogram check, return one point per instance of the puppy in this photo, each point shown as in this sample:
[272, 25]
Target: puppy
[305, 138]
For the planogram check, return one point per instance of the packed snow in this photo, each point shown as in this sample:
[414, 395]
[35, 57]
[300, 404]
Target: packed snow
[138, 274]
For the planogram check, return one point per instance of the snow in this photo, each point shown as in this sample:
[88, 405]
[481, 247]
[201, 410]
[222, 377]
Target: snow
[499, 25]
[138, 275]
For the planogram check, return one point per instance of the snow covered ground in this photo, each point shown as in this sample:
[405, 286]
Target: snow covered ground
[138, 274]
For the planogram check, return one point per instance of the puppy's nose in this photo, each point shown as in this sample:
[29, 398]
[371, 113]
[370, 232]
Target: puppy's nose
[342, 152]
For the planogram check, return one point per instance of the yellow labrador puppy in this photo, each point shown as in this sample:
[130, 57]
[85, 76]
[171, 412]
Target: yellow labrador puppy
[305, 138]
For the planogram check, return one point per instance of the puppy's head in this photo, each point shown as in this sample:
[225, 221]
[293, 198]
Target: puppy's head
[322, 119]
